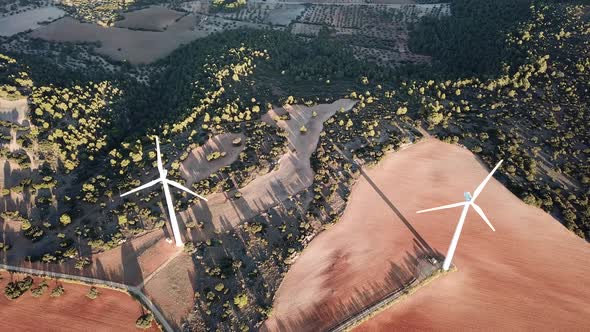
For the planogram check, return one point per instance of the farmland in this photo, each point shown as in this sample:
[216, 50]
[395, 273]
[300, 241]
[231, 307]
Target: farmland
[72, 311]
[332, 279]
[500, 274]
[28, 20]
[134, 46]
[152, 18]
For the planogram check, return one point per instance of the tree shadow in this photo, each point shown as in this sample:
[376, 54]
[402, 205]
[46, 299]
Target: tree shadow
[334, 310]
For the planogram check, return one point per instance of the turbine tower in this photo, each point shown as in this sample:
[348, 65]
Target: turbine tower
[165, 182]
[469, 202]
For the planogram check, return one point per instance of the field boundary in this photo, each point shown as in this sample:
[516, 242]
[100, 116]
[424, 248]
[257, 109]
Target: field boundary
[389, 300]
[132, 290]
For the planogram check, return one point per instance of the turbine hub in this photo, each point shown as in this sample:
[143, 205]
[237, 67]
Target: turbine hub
[467, 196]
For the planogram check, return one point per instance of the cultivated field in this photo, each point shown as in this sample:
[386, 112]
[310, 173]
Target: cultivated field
[28, 20]
[112, 310]
[528, 275]
[136, 46]
[154, 18]
[123, 44]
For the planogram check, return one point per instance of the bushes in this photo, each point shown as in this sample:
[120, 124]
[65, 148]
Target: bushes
[65, 219]
[92, 293]
[241, 300]
[82, 262]
[215, 155]
[4, 246]
[237, 141]
[144, 321]
[39, 290]
[57, 291]
[16, 288]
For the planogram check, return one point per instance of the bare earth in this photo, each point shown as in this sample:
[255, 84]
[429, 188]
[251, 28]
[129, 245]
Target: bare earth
[28, 20]
[172, 289]
[152, 18]
[196, 167]
[293, 174]
[528, 275]
[136, 46]
[112, 310]
[123, 44]
[14, 111]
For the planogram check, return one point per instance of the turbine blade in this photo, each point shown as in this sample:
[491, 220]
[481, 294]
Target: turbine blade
[149, 184]
[485, 181]
[181, 187]
[160, 166]
[443, 207]
[482, 215]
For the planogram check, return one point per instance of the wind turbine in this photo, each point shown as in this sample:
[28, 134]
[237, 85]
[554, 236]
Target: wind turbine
[165, 182]
[469, 202]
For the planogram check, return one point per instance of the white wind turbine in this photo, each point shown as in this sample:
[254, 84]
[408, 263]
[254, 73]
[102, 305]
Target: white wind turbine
[165, 182]
[469, 202]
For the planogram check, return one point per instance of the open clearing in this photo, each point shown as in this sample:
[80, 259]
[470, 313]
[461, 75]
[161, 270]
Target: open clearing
[123, 44]
[285, 14]
[173, 289]
[130, 264]
[112, 310]
[528, 275]
[196, 167]
[28, 20]
[152, 18]
[15, 111]
[136, 46]
[292, 175]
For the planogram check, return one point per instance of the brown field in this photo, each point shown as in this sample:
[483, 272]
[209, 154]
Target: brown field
[528, 275]
[137, 46]
[154, 18]
[123, 44]
[28, 20]
[305, 29]
[73, 311]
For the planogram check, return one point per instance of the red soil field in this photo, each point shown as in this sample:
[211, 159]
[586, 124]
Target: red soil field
[112, 310]
[531, 274]
[528, 275]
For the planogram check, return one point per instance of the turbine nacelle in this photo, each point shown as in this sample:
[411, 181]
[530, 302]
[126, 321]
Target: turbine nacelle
[467, 195]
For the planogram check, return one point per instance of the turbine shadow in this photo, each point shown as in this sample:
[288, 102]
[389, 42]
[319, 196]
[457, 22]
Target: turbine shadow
[420, 240]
